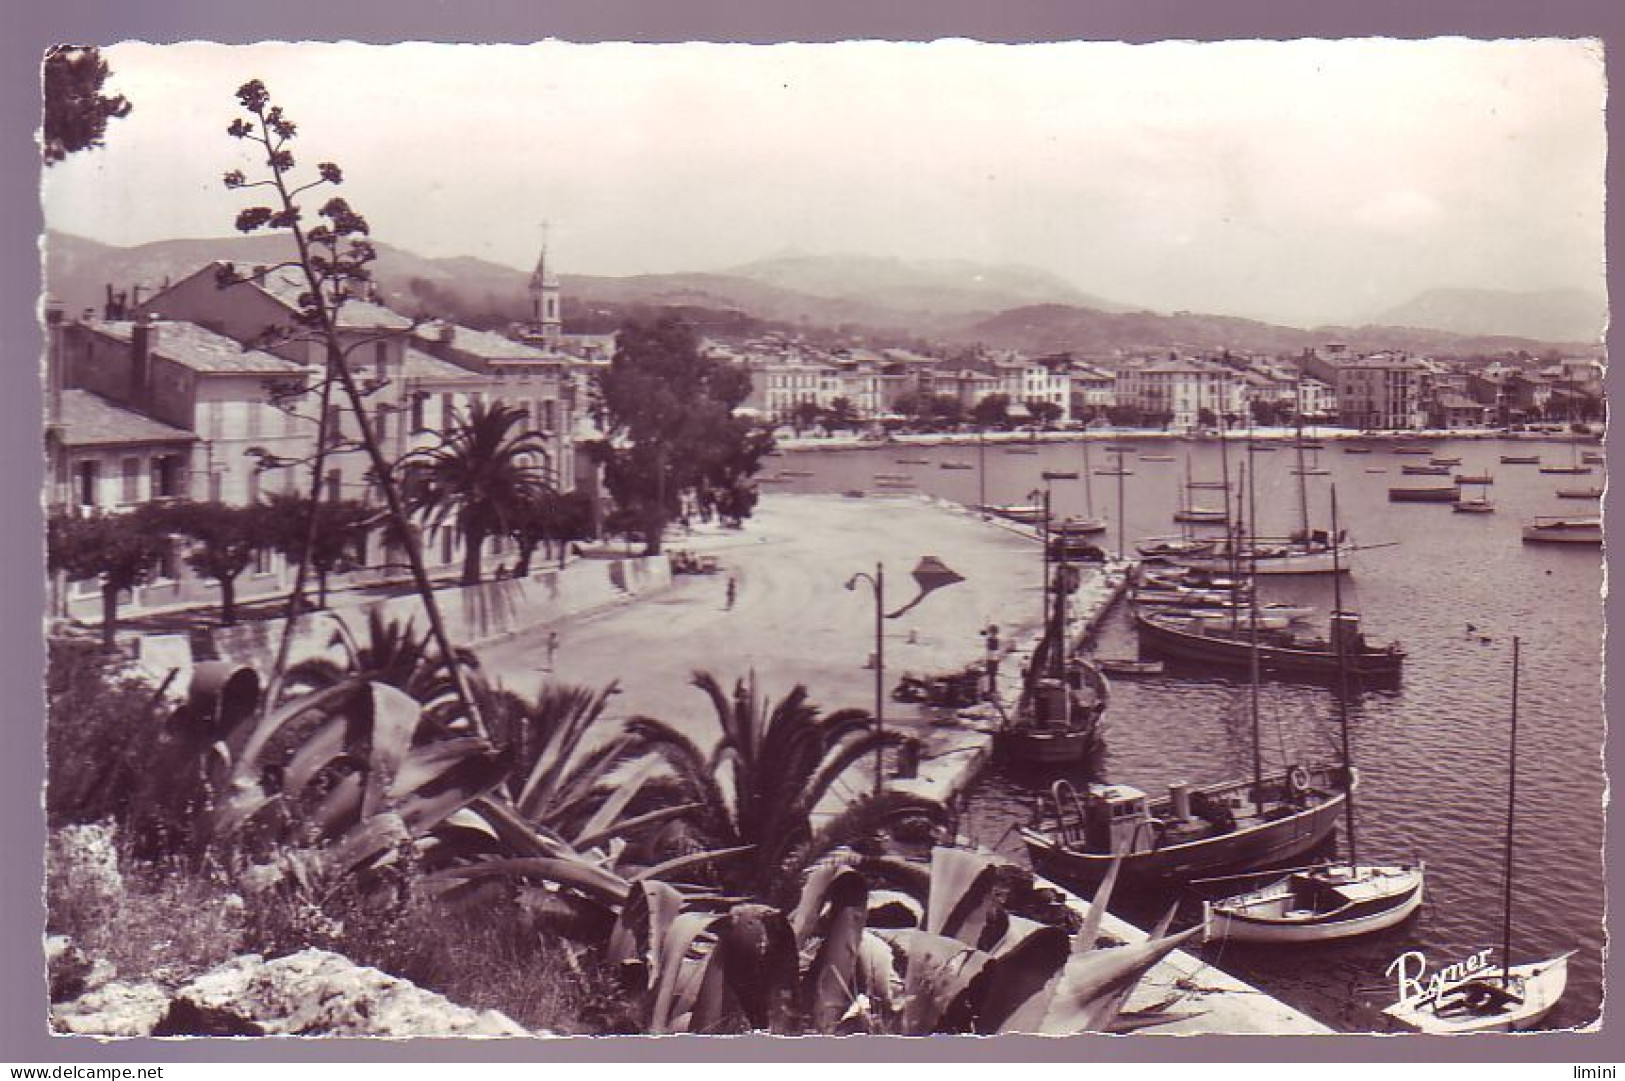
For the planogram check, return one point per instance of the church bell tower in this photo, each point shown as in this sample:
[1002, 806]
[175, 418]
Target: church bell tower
[544, 300]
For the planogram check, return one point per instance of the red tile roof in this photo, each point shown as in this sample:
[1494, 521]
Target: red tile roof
[89, 420]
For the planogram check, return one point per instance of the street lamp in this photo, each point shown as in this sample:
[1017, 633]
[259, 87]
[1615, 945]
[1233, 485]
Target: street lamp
[930, 574]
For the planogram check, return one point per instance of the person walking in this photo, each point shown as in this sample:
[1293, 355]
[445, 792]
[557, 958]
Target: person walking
[733, 590]
[552, 648]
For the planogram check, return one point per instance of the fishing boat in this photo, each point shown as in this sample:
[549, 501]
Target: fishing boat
[1021, 450]
[1376, 469]
[1580, 493]
[1262, 448]
[1425, 470]
[1520, 459]
[1593, 458]
[1060, 474]
[795, 473]
[1574, 468]
[1402, 449]
[1444, 461]
[1356, 449]
[1474, 504]
[1200, 515]
[893, 476]
[1444, 493]
[1232, 826]
[1114, 472]
[1077, 527]
[1088, 523]
[1322, 904]
[957, 465]
[1501, 998]
[1551, 530]
[1474, 478]
[913, 461]
[1156, 457]
[1198, 615]
[1056, 720]
[1277, 651]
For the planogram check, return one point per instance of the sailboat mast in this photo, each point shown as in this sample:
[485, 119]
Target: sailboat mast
[1343, 687]
[1512, 790]
[1088, 481]
[1122, 547]
[1303, 482]
[981, 469]
[1249, 479]
[1043, 539]
[1224, 469]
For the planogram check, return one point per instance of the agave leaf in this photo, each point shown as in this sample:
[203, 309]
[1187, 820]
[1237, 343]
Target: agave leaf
[372, 838]
[939, 971]
[895, 909]
[960, 903]
[313, 756]
[636, 822]
[577, 874]
[877, 975]
[673, 867]
[391, 717]
[832, 980]
[1089, 992]
[339, 808]
[248, 753]
[1090, 932]
[680, 950]
[711, 1013]
[814, 895]
[626, 788]
[428, 762]
[634, 942]
[464, 782]
[519, 835]
[1026, 964]
[757, 951]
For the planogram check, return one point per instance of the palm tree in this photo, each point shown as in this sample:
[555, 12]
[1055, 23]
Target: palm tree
[772, 767]
[488, 464]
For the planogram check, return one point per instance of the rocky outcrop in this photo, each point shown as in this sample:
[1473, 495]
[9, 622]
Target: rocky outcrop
[310, 993]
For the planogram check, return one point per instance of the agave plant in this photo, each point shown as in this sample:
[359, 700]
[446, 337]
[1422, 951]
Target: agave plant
[393, 653]
[772, 766]
[849, 958]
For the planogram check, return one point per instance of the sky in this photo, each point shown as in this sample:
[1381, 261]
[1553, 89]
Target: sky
[1301, 182]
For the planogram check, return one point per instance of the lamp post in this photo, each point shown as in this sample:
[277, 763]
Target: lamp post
[930, 574]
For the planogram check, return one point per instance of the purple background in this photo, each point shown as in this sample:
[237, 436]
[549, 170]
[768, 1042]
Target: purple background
[26, 31]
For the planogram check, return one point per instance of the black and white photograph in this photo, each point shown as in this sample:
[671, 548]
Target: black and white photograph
[862, 538]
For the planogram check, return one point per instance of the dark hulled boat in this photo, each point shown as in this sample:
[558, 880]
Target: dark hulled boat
[1277, 651]
[1192, 833]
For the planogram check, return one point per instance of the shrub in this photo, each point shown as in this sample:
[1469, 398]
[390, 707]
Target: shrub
[100, 734]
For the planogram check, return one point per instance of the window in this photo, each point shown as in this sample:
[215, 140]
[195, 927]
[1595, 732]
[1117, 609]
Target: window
[254, 410]
[214, 419]
[417, 412]
[380, 361]
[262, 561]
[333, 478]
[130, 491]
[163, 476]
[382, 425]
[89, 475]
[215, 483]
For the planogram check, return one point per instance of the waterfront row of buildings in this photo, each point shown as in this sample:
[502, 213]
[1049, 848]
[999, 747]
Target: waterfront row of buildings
[792, 383]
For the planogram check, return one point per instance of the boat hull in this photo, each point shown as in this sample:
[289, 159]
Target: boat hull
[1032, 747]
[1541, 986]
[1238, 919]
[1447, 494]
[1588, 533]
[1298, 562]
[1192, 646]
[1259, 846]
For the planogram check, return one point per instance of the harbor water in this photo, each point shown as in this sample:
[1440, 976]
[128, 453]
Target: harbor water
[1432, 748]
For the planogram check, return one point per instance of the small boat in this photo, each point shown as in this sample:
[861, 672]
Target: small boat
[913, 461]
[795, 473]
[1425, 470]
[895, 485]
[1127, 666]
[1444, 461]
[1475, 996]
[1548, 530]
[1175, 546]
[1156, 457]
[1056, 720]
[1200, 515]
[1214, 485]
[1579, 493]
[893, 476]
[1262, 448]
[1308, 444]
[958, 465]
[1442, 494]
[1413, 450]
[1059, 474]
[1566, 470]
[1026, 513]
[1314, 471]
[1021, 450]
[1077, 527]
[1319, 904]
[1377, 469]
[1196, 616]
[854, 493]
[1351, 449]
[1593, 458]
[1474, 478]
[1520, 459]
[1475, 504]
[1114, 472]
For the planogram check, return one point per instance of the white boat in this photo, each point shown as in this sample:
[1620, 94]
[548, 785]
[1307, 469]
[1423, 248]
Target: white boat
[1487, 1003]
[1481, 998]
[1318, 905]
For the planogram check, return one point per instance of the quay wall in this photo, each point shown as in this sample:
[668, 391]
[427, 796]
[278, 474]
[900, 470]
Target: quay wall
[474, 615]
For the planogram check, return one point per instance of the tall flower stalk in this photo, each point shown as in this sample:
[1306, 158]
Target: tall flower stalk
[332, 257]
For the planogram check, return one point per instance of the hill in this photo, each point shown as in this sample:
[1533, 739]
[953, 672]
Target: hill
[1572, 315]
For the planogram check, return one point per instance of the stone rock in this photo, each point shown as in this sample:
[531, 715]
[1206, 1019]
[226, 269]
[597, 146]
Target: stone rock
[318, 993]
[67, 969]
[118, 1009]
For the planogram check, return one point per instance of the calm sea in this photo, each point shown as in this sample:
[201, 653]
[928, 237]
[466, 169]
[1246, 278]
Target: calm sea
[1433, 751]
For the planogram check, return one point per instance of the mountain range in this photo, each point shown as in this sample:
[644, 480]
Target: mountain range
[951, 302]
